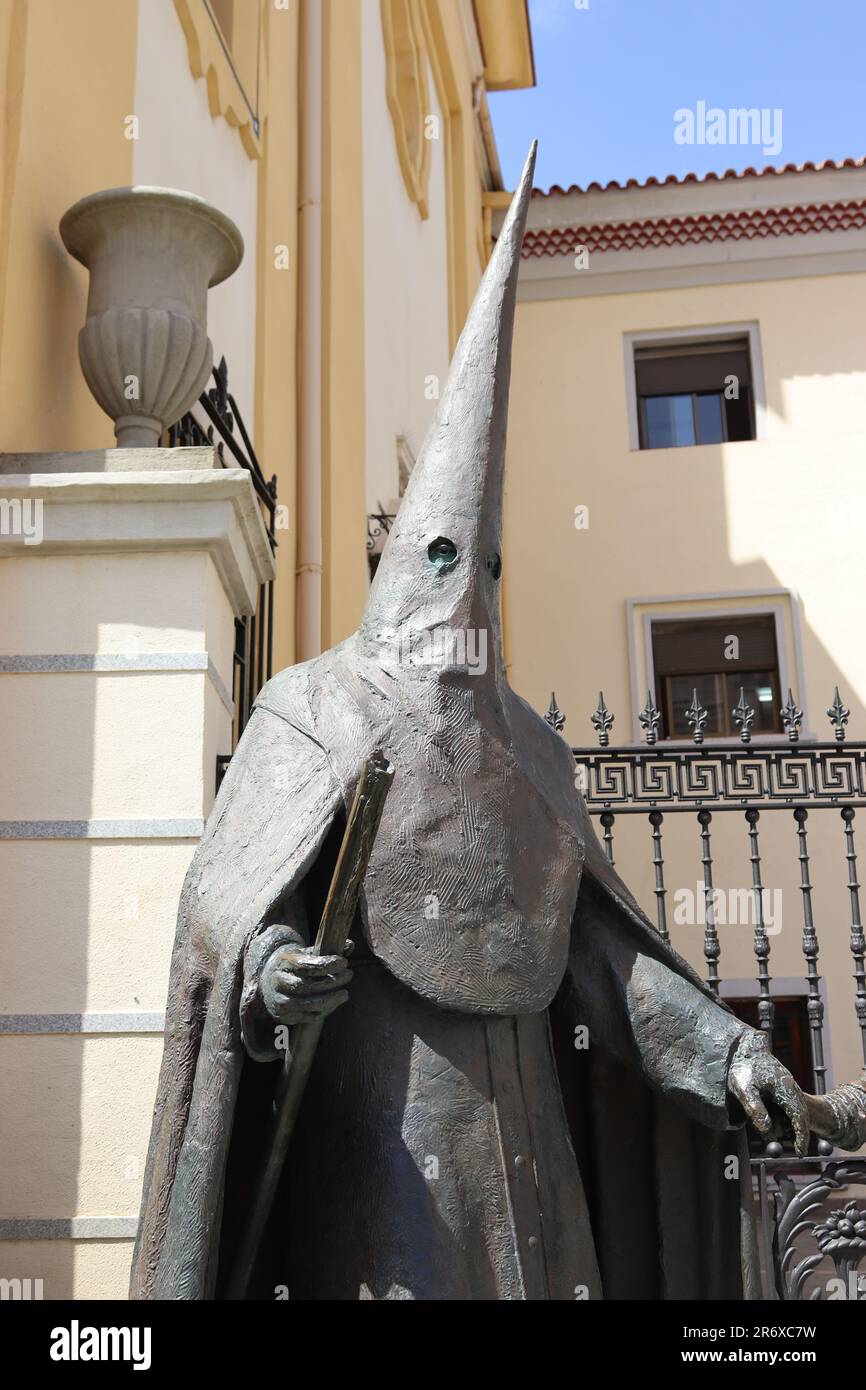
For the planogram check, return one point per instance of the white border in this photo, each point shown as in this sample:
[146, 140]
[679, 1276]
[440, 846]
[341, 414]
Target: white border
[674, 337]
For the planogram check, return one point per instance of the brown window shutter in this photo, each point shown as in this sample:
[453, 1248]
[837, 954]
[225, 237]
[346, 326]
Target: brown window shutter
[667, 372]
[698, 648]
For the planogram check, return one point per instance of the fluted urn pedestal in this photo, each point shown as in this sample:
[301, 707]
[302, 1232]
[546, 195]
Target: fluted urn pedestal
[152, 254]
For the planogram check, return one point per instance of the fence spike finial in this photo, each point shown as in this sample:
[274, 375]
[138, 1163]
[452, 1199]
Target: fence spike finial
[744, 717]
[838, 716]
[696, 718]
[649, 719]
[602, 721]
[555, 717]
[792, 718]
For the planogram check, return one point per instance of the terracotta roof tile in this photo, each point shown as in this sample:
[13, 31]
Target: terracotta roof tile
[750, 173]
[693, 228]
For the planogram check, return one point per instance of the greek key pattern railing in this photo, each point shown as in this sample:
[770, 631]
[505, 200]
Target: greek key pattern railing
[658, 781]
[633, 780]
[812, 1240]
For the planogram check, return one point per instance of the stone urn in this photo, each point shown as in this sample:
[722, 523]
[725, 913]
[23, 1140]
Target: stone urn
[152, 254]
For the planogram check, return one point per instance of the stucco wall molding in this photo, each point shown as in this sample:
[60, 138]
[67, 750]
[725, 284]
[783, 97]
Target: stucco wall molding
[201, 509]
[134, 1023]
[209, 59]
[68, 1227]
[176, 829]
[89, 663]
[408, 97]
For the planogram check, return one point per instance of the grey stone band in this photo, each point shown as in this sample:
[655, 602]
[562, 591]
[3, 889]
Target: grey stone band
[66, 663]
[139, 1022]
[113, 460]
[101, 829]
[68, 1228]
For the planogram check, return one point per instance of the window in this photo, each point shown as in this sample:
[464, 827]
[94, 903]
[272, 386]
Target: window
[694, 393]
[791, 1037]
[717, 657]
[791, 1044]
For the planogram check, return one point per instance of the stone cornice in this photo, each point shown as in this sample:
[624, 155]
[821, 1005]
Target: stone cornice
[506, 40]
[197, 509]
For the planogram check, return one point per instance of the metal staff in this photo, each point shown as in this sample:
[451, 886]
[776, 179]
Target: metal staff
[373, 787]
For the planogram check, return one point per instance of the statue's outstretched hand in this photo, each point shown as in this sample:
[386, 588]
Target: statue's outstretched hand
[298, 985]
[758, 1081]
[840, 1115]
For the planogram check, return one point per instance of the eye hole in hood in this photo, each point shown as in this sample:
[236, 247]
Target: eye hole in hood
[442, 553]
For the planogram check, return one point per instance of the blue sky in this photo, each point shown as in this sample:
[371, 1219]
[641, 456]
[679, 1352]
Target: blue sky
[611, 77]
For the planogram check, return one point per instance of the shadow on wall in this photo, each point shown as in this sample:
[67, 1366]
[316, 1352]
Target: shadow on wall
[774, 514]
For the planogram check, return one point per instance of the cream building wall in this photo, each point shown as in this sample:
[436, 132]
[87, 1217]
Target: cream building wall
[115, 672]
[68, 76]
[774, 523]
[106, 93]
[208, 159]
[405, 270]
[117, 631]
[116, 634]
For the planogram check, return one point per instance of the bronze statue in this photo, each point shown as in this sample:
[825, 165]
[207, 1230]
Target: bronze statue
[526, 1093]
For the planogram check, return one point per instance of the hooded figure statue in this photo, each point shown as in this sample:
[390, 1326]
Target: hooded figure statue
[456, 1140]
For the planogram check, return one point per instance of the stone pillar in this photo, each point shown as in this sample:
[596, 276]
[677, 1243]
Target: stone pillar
[121, 574]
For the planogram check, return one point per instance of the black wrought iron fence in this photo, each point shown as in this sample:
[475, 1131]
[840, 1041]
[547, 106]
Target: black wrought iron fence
[812, 1239]
[223, 426]
[378, 529]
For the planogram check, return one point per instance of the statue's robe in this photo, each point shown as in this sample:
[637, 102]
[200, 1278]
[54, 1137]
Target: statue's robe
[442, 1150]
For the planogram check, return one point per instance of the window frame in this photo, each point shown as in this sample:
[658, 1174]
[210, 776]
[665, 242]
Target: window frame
[787, 986]
[678, 338]
[777, 603]
[692, 396]
[721, 676]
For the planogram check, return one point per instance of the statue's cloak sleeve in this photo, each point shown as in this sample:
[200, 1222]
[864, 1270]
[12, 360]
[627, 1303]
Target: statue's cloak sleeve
[277, 802]
[643, 1049]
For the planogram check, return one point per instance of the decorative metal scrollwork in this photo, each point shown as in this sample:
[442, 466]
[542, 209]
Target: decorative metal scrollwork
[838, 716]
[650, 719]
[792, 718]
[696, 718]
[378, 525]
[744, 717]
[555, 717]
[839, 1235]
[602, 721]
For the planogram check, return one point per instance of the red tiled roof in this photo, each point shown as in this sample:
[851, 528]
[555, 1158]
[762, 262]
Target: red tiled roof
[745, 223]
[750, 173]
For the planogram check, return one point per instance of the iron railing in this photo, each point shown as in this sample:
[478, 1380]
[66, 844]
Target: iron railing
[254, 633]
[378, 529]
[812, 1240]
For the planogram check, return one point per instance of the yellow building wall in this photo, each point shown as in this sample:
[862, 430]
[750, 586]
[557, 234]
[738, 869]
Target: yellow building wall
[344, 576]
[69, 83]
[276, 403]
[778, 512]
[455, 80]
[78, 1107]
[344, 579]
[68, 75]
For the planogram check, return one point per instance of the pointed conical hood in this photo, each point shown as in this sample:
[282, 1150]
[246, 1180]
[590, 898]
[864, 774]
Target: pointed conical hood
[441, 563]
